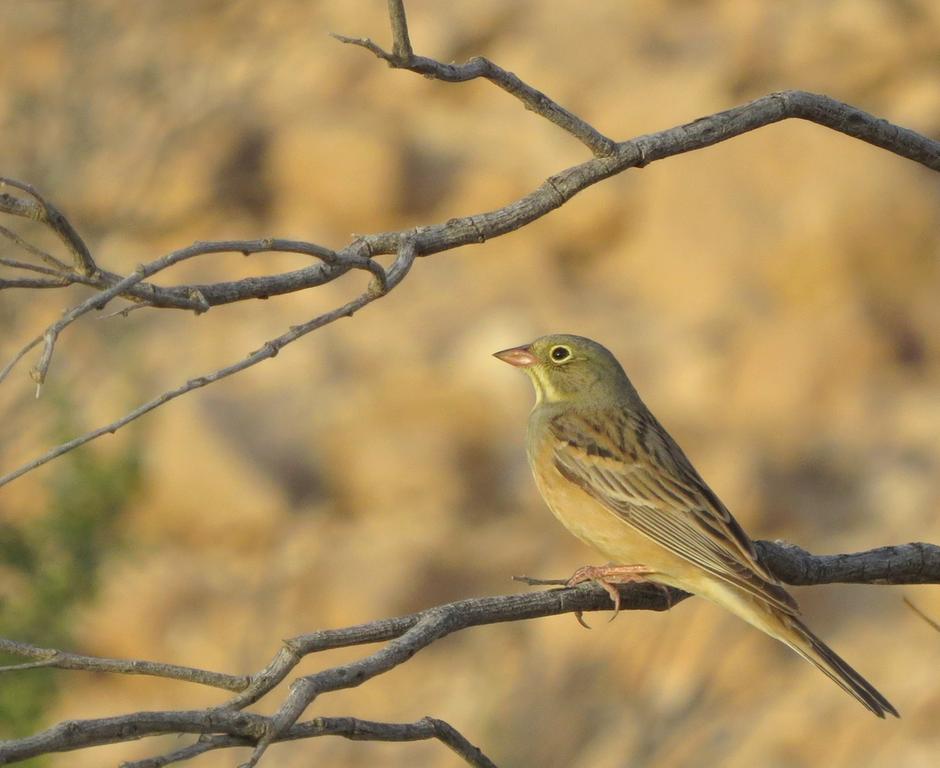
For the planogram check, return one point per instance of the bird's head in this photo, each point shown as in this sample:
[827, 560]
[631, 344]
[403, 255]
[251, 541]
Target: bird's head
[570, 369]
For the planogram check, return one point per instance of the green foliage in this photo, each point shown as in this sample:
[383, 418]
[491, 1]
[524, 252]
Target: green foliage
[53, 559]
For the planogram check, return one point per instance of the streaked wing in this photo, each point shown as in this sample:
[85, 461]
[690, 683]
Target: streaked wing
[630, 464]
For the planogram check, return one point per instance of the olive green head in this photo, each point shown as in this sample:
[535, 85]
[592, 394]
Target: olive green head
[570, 369]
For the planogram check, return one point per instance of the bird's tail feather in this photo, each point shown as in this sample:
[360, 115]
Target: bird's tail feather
[815, 651]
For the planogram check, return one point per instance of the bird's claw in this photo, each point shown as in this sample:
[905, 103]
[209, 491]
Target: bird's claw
[606, 576]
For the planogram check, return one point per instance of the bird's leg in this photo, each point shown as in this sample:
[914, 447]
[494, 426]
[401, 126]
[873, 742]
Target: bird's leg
[607, 576]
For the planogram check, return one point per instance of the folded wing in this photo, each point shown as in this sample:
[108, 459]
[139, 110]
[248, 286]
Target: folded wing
[630, 464]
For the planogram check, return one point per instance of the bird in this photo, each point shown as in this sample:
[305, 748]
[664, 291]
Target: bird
[615, 478]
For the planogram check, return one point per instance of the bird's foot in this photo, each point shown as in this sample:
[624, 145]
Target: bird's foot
[608, 576]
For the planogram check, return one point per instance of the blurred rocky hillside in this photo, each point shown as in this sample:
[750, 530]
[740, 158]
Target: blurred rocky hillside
[776, 300]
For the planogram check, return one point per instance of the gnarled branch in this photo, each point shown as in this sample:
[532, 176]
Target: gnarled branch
[610, 158]
[229, 726]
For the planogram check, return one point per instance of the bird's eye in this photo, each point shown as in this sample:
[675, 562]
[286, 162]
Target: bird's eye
[560, 353]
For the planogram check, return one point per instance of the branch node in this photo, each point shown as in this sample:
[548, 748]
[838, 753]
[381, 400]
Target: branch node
[369, 45]
[481, 237]
[401, 43]
[560, 197]
[201, 303]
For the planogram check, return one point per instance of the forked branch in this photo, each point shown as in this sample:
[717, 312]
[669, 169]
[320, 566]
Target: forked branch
[228, 725]
[610, 158]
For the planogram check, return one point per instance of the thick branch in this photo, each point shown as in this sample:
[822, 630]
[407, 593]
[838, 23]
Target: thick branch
[239, 729]
[915, 563]
[348, 727]
[401, 46]
[228, 726]
[553, 193]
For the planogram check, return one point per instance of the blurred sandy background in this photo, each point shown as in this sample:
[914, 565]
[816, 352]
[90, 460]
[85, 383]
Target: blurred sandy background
[775, 300]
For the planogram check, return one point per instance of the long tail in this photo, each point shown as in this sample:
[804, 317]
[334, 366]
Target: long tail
[815, 651]
[781, 622]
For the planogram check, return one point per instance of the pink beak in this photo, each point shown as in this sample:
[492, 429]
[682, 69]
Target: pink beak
[520, 357]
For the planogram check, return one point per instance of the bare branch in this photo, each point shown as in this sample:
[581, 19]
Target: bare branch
[554, 192]
[801, 105]
[610, 158]
[57, 267]
[229, 726]
[26, 266]
[123, 312]
[401, 45]
[53, 658]
[402, 57]
[43, 211]
[269, 349]
[195, 300]
[239, 729]
[764, 111]
[915, 563]
[347, 727]
[79, 734]
[4, 372]
[34, 282]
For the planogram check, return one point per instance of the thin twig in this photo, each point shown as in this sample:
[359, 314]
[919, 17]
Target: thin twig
[46, 213]
[196, 301]
[402, 57]
[124, 311]
[932, 622]
[57, 267]
[533, 99]
[4, 372]
[561, 187]
[534, 582]
[52, 657]
[268, 350]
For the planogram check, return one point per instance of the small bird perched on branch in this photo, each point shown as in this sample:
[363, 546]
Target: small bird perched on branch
[610, 472]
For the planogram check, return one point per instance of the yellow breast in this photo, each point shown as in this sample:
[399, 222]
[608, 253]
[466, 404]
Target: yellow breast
[600, 528]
